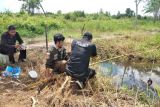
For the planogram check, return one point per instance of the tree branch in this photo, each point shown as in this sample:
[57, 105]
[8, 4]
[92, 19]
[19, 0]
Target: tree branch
[139, 1]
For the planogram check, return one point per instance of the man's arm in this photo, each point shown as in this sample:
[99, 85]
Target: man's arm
[3, 39]
[65, 55]
[94, 50]
[73, 44]
[19, 39]
[5, 48]
[52, 58]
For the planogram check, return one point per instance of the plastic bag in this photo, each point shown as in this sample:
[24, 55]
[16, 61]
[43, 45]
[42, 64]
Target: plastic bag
[12, 72]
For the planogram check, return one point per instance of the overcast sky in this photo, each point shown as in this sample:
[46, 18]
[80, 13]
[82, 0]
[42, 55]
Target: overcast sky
[89, 6]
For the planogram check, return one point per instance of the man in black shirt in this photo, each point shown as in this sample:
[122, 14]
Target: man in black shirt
[8, 44]
[78, 64]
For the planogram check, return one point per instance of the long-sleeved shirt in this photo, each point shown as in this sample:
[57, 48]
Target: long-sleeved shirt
[56, 55]
[81, 52]
[7, 43]
[6, 39]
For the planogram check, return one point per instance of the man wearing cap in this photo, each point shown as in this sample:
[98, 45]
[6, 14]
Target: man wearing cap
[57, 56]
[8, 44]
[78, 64]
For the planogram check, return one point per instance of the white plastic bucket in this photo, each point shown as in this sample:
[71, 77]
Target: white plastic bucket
[33, 74]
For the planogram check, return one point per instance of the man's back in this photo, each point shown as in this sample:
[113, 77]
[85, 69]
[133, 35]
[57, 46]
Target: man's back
[82, 50]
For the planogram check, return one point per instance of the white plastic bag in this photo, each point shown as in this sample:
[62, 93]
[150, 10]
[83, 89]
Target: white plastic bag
[4, 59]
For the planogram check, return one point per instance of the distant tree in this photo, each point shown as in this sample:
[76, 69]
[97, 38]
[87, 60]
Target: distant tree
[137, 2]
[95, 16]
[67, 16]
[107, 14]
[153, 6]
[49, 13]
[70, 16]
[139, 17]
[101, 11]
[129, 12]
[118, 15]
[8, 12]
[137, 5]
[145, 17]
[79, 14]
[30, 5]
[59, 12]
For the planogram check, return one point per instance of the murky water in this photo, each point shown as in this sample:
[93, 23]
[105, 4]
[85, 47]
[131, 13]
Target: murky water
[131, 77]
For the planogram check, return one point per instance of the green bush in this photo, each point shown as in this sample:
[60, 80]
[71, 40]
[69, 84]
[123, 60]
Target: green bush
[31, 26]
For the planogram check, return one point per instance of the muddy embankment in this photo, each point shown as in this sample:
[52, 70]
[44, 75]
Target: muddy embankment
[128, 50]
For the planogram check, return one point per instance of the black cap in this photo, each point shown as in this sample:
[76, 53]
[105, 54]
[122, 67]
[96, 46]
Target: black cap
[11, 27]
[87, 35]
[58, 37]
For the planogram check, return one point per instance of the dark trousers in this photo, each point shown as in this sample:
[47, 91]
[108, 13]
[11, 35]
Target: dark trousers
[90, 74]
[58, 67]
[22, 56]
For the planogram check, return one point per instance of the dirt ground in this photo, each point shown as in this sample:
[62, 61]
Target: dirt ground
[24, 91]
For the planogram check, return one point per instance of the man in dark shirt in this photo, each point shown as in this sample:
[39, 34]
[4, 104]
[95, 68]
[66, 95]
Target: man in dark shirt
[78, 64]
[57, 55]
[8, 44]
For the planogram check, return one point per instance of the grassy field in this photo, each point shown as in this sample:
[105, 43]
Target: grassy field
[32, 26]
[126, 37]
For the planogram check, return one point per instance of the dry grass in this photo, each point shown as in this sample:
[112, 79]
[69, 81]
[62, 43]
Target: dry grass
[99, 91]
[136, 48]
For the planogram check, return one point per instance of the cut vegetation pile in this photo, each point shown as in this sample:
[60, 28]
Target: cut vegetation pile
[136, 48]
[56, 91]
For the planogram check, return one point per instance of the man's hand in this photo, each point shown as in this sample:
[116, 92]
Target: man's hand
[69, 53]
[64, 61]
[47, 55]
[17, 46]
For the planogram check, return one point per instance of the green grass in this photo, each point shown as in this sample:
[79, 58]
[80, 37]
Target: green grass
[142, 45]
[149, 44]
[140, 38]
[157, 87]
[31, 26]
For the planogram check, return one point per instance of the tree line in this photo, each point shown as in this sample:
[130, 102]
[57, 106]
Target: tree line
[151, 6]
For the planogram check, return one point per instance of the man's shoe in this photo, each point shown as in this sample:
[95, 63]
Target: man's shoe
[80, 84]
[74, 87]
